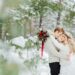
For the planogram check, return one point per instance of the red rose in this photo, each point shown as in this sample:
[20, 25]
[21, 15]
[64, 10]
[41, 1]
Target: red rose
[42, 35]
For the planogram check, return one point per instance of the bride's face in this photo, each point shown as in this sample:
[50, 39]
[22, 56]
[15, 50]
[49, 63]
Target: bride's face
[62, 38]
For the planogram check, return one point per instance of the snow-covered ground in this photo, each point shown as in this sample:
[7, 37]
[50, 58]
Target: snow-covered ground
[42, 68]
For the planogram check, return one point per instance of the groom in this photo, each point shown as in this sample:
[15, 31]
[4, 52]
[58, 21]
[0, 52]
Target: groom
[54, 55]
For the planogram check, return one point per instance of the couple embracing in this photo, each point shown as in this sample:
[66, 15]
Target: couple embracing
[60, 48]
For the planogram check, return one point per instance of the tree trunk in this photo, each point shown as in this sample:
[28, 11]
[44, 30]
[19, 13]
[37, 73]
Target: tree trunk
[58, 18]
[59, 15]
[0, 30]
[40, 21]
[3, 32]
[30, 28]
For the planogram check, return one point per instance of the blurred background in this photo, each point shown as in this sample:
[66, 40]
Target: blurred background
[20, 20]
[22, 17]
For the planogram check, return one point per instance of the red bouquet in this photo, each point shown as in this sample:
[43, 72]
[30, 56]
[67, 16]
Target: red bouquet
[42, 36]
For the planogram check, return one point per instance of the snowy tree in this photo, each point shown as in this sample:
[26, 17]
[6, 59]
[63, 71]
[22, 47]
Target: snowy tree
[43, 12]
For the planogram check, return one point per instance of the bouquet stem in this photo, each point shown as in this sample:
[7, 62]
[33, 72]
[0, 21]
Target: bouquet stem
[42, 48]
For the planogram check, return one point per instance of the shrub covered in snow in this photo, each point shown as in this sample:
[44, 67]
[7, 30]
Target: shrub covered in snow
[19, 41]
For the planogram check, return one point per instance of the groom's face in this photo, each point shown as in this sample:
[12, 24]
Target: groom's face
[57, 34]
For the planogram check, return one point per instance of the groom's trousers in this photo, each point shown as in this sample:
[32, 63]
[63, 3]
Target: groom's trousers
[54, 68]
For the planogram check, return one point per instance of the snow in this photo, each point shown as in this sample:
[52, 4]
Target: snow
[16, 18]
[20, 41]
[26, 7]
[33, 38]
[43, 69]
[12, 56]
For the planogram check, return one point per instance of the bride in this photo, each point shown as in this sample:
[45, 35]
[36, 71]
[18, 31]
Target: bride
[66, 48]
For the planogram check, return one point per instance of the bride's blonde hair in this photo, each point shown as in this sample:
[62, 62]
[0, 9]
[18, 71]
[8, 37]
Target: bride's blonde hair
[71, 42]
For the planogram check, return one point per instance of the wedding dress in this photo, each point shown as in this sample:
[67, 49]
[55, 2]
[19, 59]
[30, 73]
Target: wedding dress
[68, 69]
